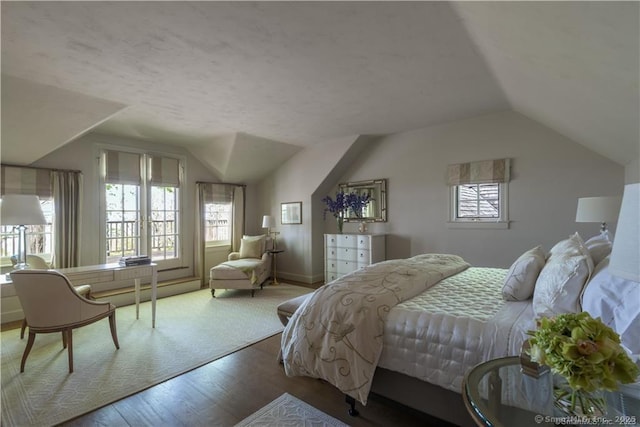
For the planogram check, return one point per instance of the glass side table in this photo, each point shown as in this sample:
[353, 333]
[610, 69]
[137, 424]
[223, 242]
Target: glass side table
[497, 393]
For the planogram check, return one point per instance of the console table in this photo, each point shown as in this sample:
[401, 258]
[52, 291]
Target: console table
[90, 274]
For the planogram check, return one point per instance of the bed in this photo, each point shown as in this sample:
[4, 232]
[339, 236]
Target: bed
[421, 340]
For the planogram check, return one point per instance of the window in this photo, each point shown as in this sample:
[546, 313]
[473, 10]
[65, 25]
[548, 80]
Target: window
[479, 204]
[142, 206]
[479, 196]
[217, 223]
[39, 237]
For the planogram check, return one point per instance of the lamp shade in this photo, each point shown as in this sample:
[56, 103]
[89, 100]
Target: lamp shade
[598, 209]
[625, 255]
[268, 221]
[21, 209]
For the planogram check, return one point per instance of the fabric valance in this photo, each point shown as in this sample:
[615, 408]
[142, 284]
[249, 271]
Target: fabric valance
[26, 180]
[122, 167]
[482, 172]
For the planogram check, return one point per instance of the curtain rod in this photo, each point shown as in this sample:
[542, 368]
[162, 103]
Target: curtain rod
[221, 183]
[40, 168]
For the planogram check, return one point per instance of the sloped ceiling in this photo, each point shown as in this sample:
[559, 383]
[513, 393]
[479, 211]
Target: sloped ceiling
[236, 81]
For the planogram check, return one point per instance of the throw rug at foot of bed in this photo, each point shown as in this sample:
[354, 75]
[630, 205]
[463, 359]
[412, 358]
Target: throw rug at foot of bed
[336, 335]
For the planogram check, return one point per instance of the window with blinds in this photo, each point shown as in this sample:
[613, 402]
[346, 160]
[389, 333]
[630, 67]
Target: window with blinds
[479, 193]
[142, 206]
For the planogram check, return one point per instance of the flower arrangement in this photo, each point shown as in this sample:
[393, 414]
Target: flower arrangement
[584, 351]
[345, 203]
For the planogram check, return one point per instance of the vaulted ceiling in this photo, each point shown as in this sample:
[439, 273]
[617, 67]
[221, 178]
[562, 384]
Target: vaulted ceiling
[234, 81]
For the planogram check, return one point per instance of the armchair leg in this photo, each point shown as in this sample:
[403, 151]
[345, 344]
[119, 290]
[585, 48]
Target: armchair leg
[213, 293]
[69, 333]
[32, 338]
[23, 327]
[112, 326]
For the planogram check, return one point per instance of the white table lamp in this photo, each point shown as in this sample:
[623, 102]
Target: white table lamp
[21, 210]
[625, 255]
[269, 222]
[598, 209]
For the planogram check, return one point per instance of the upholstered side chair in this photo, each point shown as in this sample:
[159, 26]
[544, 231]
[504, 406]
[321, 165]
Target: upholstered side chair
[51, 304]
[37, 262]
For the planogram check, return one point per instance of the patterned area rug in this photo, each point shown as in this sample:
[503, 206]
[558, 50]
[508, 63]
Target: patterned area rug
[191, 330]
[290, 411]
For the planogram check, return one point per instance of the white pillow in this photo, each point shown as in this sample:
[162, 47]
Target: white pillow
[599, 247]
[522, 275]
[562, 278]
[252, 247]
[615, 301]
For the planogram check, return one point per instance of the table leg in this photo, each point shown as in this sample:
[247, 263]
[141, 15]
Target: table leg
[137, 293]
[154, 294]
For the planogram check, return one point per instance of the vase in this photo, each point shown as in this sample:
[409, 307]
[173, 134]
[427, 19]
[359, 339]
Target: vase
[362, 228]
[340, 222]
[577, 402]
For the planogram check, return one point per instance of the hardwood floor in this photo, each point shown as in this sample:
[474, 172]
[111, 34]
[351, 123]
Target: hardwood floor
[226, 391]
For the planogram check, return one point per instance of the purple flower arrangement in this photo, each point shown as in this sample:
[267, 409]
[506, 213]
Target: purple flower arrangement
[346, 202]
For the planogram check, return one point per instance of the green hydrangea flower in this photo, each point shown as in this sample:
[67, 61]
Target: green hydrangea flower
[583, 350]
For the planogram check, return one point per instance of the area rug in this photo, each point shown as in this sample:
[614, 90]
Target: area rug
[191, 330]
[288, 410]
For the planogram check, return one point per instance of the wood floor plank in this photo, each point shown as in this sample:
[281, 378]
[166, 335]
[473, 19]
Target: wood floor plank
[225, 391]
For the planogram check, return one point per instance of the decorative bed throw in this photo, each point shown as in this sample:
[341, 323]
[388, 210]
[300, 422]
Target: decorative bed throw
[337, 333]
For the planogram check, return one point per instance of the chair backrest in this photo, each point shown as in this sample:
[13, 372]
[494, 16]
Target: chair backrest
[34, 261]
[49, 300]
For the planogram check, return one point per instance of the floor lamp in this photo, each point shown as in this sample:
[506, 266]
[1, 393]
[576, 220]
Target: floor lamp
[21, 210]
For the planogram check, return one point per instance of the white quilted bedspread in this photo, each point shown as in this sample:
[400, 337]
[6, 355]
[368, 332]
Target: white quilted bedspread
[440, 334]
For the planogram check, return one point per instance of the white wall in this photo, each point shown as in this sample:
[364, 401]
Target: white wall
[549, 174]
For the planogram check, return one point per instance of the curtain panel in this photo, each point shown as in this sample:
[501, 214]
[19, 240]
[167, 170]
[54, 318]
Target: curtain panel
[481, 172]
[67, 196]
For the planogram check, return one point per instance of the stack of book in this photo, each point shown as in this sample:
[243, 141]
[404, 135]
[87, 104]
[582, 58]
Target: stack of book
[127, 261]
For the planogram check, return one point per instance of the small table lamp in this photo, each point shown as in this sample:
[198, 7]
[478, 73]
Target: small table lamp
[625, 255]
[598, 209]
[21, 210]
[269, 222]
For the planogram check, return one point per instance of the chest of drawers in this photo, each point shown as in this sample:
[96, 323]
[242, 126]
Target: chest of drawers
[344, 253]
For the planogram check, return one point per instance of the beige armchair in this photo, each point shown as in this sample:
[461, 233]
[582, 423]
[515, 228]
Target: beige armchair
[51, 304]
[248, 268]
[37, 262]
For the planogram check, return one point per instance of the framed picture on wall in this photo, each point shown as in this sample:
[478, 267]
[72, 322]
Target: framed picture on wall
[291, 213]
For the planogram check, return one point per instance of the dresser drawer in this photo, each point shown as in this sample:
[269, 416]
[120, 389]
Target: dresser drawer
[345, 267]
[363, 242]
[364, 258]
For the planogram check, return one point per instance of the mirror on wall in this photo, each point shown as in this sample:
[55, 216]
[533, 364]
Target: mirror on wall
[376, 209]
